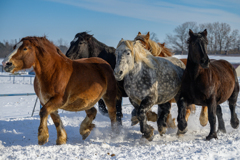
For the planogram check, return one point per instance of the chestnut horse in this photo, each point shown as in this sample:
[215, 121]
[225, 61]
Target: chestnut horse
[158, 49]
[61, 83]
[207, 83]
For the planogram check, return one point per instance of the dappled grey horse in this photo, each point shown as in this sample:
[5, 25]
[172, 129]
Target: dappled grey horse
[148, 80]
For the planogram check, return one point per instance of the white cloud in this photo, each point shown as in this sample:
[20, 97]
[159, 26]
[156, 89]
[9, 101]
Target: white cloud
[160, 11]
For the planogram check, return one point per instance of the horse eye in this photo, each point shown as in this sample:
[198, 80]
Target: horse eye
[24, 49]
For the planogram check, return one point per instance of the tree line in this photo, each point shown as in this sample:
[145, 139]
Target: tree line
[221, 38]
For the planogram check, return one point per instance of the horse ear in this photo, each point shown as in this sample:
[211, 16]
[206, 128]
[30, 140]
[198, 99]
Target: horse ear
[163, 44]
[190, 32]
[147, 36]
[139, 33]
[205, 32]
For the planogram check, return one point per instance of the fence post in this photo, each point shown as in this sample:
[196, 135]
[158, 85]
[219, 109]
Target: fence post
[34, 106]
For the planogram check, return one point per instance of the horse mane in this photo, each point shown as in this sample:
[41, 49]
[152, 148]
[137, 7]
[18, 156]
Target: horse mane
[42, 43]
[166, 52]
[157, 49]
[139, 53]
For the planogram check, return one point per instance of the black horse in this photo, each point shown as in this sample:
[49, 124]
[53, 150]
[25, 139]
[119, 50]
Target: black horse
[207, 83]
[85, 45]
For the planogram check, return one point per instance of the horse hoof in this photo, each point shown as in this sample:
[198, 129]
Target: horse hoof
[162, 131]
[234, 123]
[134, 121]
[42, 139]
[150, 135]
[222, 130]
[179, 132]
[211, 136]
[84, 136]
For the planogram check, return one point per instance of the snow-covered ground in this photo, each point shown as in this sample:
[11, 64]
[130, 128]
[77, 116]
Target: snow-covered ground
[18, 133]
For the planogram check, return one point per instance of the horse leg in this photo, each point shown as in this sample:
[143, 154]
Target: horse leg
[134, 118]
[110, 101]
[86, 125]
[170, 120]
[203, 118]
[232, 105]
[182, 123]
[119, 111]
[146, 129]
[221, 125]
[212, 108]
[61, 133]
[152, 116]
[102, 108]
[163, 111]
[51, 106]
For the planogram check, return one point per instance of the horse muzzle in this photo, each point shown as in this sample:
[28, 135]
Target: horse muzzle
[118, 75]
[8, 66]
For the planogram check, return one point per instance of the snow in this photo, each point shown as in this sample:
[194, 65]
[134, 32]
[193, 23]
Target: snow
[18, 133]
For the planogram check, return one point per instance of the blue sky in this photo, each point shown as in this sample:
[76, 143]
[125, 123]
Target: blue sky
[109, 20]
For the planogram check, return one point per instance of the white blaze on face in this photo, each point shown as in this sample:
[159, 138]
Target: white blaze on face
[75, 39]
[9, 56]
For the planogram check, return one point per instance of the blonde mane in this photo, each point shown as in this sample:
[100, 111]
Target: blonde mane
[139, 53]
[156, 49]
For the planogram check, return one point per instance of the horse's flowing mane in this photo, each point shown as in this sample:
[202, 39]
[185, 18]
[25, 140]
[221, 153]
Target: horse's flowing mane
[157, 49]
[43, 44]
[139, 53]
[166, 52]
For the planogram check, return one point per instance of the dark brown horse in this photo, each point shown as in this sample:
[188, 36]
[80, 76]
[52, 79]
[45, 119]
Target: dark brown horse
[207, 83]
[61, 83]
[159, 49]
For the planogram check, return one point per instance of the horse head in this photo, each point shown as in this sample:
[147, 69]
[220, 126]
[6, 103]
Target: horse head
[198, 48]
[144, 38]
[79, 46]
[22, 57]
[129, 53]
[124, 59]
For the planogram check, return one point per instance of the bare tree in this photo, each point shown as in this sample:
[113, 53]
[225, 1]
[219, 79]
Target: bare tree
[179, 40]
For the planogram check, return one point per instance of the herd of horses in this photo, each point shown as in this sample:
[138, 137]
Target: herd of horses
[140, 69]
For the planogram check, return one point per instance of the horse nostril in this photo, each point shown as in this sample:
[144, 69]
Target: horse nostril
[8, 63]
[120, 72]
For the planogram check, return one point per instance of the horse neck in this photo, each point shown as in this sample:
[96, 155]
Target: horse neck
[96, 48]
[48, 65]
[192, 68]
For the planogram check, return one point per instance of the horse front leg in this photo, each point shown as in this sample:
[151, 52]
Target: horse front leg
[51, 106]
[182, 123]
[61, 133]
[212, 108]
[147, 130]
[163, 111]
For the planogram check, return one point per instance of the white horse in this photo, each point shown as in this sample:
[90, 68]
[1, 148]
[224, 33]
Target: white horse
[148, 80]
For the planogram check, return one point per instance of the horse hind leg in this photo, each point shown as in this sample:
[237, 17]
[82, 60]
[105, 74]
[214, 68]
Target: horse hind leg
[221, 124]
[86, 125]
[232, 105]
[110, 101]
[61, 133]
[203, 118]
[163, 112]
